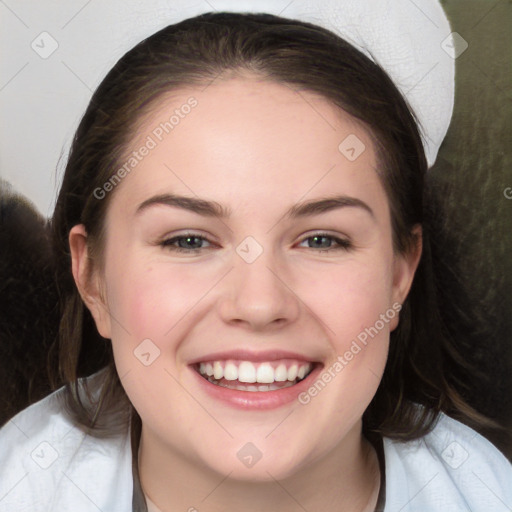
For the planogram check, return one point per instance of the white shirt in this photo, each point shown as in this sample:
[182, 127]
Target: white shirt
[47, 464]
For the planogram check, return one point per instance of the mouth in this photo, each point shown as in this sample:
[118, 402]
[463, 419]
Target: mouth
[254, 380]
[248, 376]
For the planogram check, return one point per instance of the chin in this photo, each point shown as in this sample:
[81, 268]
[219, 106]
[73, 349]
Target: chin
[255, 461]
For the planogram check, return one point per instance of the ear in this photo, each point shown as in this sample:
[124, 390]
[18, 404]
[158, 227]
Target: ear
[87, 281]
[404, 268]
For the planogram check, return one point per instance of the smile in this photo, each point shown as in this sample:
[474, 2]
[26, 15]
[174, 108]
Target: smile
[254, 380]
[249, 376]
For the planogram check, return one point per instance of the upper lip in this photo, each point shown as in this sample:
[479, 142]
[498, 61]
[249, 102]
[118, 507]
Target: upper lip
[254, 356]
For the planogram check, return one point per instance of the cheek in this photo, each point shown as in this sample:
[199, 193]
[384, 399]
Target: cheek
[151, 299]
[349, 297]
[355, 306]
[152, 302]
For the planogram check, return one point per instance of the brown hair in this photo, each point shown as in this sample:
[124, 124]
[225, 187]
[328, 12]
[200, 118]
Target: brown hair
[28, 303]
[305, 57]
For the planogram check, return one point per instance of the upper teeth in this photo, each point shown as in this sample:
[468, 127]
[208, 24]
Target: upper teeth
[245, 371]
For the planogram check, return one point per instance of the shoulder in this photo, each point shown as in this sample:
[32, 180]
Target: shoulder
[48, 463]
[451, 468]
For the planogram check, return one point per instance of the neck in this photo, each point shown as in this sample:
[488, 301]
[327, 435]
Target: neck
[347, 478]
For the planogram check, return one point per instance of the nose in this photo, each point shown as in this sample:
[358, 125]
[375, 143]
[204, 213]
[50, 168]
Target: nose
[258, 295]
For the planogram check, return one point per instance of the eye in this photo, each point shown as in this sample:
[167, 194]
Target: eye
[318, 242]
[188, 243]
[191, 243]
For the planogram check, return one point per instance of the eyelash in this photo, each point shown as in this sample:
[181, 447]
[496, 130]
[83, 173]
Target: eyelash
[342, 244]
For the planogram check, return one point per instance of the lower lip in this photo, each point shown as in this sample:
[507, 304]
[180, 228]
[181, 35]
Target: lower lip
[257, 399]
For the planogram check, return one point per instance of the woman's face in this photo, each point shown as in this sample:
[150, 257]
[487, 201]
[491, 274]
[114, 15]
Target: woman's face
[298, 277]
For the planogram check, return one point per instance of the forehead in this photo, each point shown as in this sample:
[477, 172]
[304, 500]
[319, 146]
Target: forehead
[244, 138]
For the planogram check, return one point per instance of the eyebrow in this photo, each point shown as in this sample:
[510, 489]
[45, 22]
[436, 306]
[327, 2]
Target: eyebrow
[214, 209]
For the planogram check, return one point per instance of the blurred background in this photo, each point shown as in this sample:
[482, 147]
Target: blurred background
[472, 181]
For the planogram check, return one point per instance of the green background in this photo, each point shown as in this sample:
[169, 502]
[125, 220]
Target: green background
[473, 216]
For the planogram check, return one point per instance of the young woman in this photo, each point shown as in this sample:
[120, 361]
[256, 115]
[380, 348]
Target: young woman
[240, 225]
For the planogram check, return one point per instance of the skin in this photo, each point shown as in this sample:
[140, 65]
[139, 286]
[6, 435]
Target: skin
[258, 148]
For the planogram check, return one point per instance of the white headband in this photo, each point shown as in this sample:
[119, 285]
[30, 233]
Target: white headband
[410, 39]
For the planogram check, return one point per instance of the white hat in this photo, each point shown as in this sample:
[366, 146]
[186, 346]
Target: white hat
[410, 39]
